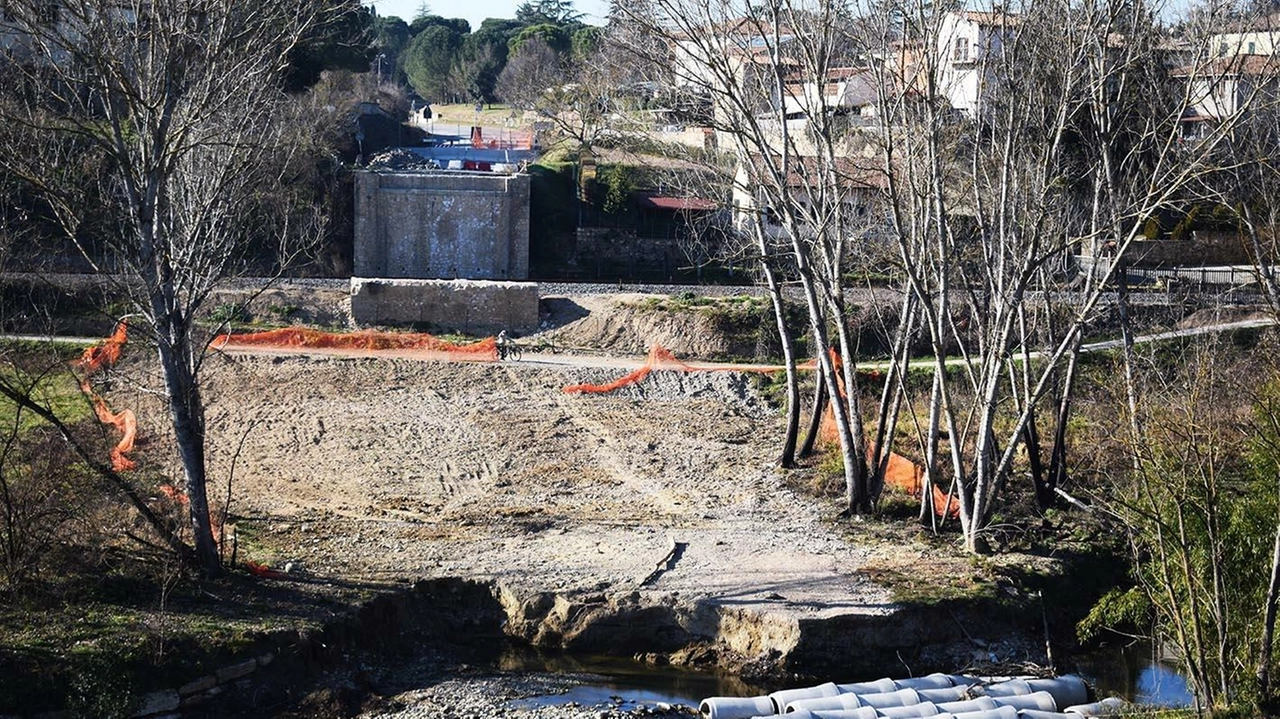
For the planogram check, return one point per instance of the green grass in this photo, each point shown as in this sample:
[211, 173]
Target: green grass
[55, 389]
[465, 115]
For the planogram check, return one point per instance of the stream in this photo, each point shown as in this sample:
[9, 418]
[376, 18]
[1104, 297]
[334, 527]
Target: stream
[1134, 672]
[1137, 672]
[612, 678]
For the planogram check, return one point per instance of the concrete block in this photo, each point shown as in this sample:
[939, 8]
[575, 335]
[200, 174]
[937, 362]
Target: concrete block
[442, 225]
[159, 702]
[235, 671]
[475, 306]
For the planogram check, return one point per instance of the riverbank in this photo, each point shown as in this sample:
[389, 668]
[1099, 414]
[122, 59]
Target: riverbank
[648, 522]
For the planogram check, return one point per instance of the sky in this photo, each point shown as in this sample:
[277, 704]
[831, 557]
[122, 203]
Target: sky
[475, 11]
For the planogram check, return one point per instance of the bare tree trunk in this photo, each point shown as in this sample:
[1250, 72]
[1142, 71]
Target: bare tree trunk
[815, 416]
[1269, 620]
[894, 390]
[1130, 381]
[1057, 474]
[788, 457]
[186, 411]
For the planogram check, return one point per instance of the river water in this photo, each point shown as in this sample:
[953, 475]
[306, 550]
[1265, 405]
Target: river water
[1134, 672]
[612, 677]
[1137, 672]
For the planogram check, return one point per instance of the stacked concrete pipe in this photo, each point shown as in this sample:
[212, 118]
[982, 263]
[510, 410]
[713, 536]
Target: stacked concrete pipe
[940, 696]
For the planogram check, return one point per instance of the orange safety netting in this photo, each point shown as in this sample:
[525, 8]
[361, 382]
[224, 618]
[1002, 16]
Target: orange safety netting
[95, 359]
[485, 350]
[908, 476]
[659, 358]
[900, 472]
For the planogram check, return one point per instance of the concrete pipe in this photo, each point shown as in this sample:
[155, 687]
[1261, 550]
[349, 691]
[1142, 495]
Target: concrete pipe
[1067, 690]
[842, 701]
[997, 713]
[1038, 714]
[859, 713]
[947, 694]
[923, 709]
[900, 698]
[929, 681]
[1010, 688]
[1109, 707]
[878, 686]
[735, 707]
[981, 704]
[786, 696]
[1040, 701]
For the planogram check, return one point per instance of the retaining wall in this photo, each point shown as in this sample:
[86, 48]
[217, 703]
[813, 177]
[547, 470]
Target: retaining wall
[477, 306]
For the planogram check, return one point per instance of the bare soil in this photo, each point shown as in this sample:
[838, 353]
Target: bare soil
[588, 512]
[371, 467]
[390, 468]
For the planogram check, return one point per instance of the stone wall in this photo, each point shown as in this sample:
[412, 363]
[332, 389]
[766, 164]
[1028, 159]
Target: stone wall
[442, 225]
[607, 253]
[477, 306]
[1207, 248]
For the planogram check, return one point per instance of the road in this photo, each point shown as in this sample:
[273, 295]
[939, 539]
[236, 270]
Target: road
[577, 358]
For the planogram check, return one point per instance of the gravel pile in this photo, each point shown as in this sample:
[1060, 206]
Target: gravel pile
[541, 696]
[400, 159]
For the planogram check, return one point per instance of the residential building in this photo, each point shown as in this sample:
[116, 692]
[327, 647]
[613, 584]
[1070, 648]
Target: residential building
[848, 91]
[967, 45]
[1259, 37]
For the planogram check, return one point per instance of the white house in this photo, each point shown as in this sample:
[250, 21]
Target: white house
[844, 91]
[1230, 85]
[1256, 38]
[967, 45]
[1242, 70]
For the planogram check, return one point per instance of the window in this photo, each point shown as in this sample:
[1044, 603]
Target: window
[961, 51]
[1222, 50]
[1253, 46]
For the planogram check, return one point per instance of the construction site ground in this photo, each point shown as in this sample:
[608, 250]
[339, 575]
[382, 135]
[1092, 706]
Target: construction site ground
[662, 494]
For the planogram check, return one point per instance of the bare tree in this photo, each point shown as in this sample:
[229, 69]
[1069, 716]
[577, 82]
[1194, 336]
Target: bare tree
[798, 193]
[149, 129]
[1013, 141]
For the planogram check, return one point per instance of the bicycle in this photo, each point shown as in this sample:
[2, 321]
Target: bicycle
[509, 352]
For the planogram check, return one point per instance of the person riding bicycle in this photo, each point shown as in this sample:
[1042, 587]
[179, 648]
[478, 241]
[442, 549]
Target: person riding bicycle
[504, 344]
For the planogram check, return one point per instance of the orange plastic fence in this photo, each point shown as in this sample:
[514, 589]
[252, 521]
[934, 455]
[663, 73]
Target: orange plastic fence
[94, 360]
[485, 350]
[908, 476]
[900, 472]
[659, 358]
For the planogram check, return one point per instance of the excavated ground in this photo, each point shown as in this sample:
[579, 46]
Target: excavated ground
[648, 521]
